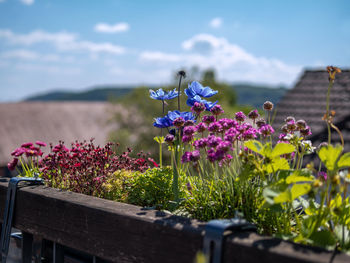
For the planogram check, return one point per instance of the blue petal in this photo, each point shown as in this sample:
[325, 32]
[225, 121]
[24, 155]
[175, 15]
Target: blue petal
[162, 122]
[195, 88]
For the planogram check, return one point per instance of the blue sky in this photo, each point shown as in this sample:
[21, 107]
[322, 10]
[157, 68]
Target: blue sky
[75, 44]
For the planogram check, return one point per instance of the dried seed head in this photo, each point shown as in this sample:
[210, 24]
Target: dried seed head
[268, 105]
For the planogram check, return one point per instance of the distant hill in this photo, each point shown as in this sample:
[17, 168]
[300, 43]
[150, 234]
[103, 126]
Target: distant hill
[256, 95]
[246, 94]
[94, 94]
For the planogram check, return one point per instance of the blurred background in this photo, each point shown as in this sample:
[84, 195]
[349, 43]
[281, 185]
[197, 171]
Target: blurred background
[73, 70]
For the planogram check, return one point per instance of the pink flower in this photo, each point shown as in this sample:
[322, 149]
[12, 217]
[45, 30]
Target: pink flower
[40, 143]
[12, 165]
[27, 145]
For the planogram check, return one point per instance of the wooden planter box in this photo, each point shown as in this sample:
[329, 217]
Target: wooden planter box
[126, 233]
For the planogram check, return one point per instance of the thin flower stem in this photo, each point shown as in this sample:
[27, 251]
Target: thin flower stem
[327, 110]
[179, 91]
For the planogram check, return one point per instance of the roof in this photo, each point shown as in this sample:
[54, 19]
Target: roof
[307, 101]
[53, 121]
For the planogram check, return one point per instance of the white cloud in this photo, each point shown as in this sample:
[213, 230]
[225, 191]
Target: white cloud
[27, 2]
[19, 54]
[37, 36]
[61, 40]
[159, 56]
[116, 28]
[216, 22]
[24, 54]
[232, 62]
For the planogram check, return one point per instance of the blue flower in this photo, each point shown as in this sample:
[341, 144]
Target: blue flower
[195, 88]
[186, 115]
[161, 95]
[162, 122]
[167, 121]
[208, 104]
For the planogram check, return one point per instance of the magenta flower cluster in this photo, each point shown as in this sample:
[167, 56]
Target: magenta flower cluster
[28, 150]
[84, 167]
[215, 139]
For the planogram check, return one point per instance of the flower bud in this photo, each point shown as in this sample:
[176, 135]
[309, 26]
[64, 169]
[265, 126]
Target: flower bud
[253, 114]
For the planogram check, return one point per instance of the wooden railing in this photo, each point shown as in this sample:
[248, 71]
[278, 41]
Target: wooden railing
[125, 233]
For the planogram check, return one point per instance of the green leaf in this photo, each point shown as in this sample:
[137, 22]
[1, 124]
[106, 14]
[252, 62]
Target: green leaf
[344, 161]
[254, 146]
[284, 197]
[282, 148]
[267, 150]
[323, 238]
[298, 176]
[299, 190]
[277, 164]
[329, 155]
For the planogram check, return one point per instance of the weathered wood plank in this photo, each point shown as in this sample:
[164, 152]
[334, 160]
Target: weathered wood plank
[126, 233]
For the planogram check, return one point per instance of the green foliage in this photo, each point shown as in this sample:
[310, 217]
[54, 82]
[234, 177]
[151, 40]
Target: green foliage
[152, 188]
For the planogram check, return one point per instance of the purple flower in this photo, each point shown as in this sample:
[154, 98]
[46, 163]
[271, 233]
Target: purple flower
[195, 156]
[306, 131]
[189, 123]
[195, 88]
[208, 119]
[240, 116]
[198, 108]
[301, 124]
[186, 157]
[253, 114]
[291, 125]
[201, 127]
[322, 175]
[289, 118]
[216, 110]
[201, 143]
[227, 123]
[284, 128]
[189, 130]
[249, 134]
[169, 138]
[179, 122]
[260, 123]
[266, 130]
[215, 127]
[187, 138]
[224, 146]
[211, 155]
[231, 135]
[213, 141]
[219, 155]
